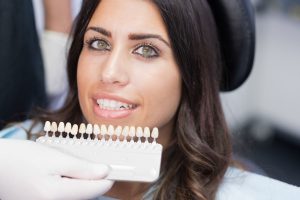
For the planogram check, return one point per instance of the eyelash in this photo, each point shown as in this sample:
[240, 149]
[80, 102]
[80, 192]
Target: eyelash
[153, 47]
[90, 41]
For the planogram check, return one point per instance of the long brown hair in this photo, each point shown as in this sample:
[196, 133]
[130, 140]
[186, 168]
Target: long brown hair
[195, 162]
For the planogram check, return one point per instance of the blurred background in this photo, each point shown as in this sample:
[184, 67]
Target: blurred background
[264, 113]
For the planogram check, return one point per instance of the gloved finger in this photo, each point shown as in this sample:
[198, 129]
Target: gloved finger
[73, 167]
[82, 189]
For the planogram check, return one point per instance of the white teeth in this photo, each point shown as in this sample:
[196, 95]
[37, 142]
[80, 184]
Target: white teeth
[109, 130]
[113, 105]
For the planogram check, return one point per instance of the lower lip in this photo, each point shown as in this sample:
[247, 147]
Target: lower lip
[111, 114]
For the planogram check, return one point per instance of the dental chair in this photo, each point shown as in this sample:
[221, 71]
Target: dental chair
[236, 26]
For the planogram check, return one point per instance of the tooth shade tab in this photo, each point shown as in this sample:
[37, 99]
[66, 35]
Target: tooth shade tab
[118, 131]
[61, 127]
[89, 129]
[146, 132]
[108, 132]
[125, 131]
[82, 128]
[132, 131]
[68, 127]
[53, 127]
[96, 129]
[47, 126]
[154, 133]
[74, 130]
[139, 132]
[128, 160]
[103, 130]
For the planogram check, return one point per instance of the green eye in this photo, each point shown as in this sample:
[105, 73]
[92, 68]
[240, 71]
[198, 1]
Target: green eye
[146, 51]
[100, 45]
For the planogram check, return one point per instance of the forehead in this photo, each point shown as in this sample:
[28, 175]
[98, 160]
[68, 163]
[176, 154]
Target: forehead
[129, 16]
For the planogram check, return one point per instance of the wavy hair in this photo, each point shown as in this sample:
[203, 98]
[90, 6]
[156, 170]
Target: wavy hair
[196, 160]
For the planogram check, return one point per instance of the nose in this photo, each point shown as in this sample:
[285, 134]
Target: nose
[114, 70]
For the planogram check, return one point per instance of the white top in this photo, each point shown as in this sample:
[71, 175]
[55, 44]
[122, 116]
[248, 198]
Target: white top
[237, 184]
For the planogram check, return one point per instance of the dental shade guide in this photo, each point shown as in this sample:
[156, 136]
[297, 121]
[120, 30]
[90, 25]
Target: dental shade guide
[129, 160]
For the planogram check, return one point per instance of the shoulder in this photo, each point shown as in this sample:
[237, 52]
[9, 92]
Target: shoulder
[19, 130]
[239, 184]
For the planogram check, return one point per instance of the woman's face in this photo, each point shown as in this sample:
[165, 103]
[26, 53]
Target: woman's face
[127, 74]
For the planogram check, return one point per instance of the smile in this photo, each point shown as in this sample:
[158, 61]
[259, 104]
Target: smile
[113, 107]
[107, 104]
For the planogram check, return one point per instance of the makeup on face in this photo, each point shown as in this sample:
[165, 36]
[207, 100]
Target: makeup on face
[127, 74]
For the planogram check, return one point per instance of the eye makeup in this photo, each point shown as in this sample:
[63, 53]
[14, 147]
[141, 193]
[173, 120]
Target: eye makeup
[146, 50]
[150, 50]
[97, 44]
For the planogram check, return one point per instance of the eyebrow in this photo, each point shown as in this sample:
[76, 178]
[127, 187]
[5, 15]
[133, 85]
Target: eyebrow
[143, 36]
[99, 30]
[132, 36]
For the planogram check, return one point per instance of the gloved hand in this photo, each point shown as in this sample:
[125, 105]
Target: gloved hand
[32, 171]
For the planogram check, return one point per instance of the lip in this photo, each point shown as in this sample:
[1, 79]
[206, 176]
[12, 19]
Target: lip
[111, 97]
[111, 114]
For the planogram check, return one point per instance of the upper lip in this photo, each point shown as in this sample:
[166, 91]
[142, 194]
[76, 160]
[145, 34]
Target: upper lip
[112, 97]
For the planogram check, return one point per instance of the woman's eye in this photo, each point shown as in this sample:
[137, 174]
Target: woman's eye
[100, 45]
[146, 51]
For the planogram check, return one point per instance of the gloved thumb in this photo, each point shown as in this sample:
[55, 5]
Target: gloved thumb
[76, 168]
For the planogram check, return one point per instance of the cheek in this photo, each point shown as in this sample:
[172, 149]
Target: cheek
[84, 68]
[82, 74]
[85, 78]
[161, 92]
[87, 70]
[169, 93]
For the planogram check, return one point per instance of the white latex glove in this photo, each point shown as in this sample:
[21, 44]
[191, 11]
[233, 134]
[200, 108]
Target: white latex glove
[32, 171]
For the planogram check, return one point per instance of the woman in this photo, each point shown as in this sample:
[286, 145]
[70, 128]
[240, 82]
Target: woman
[169, 73]
[161, 61]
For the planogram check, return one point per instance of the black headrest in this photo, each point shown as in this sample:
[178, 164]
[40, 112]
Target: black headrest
[236, 28]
